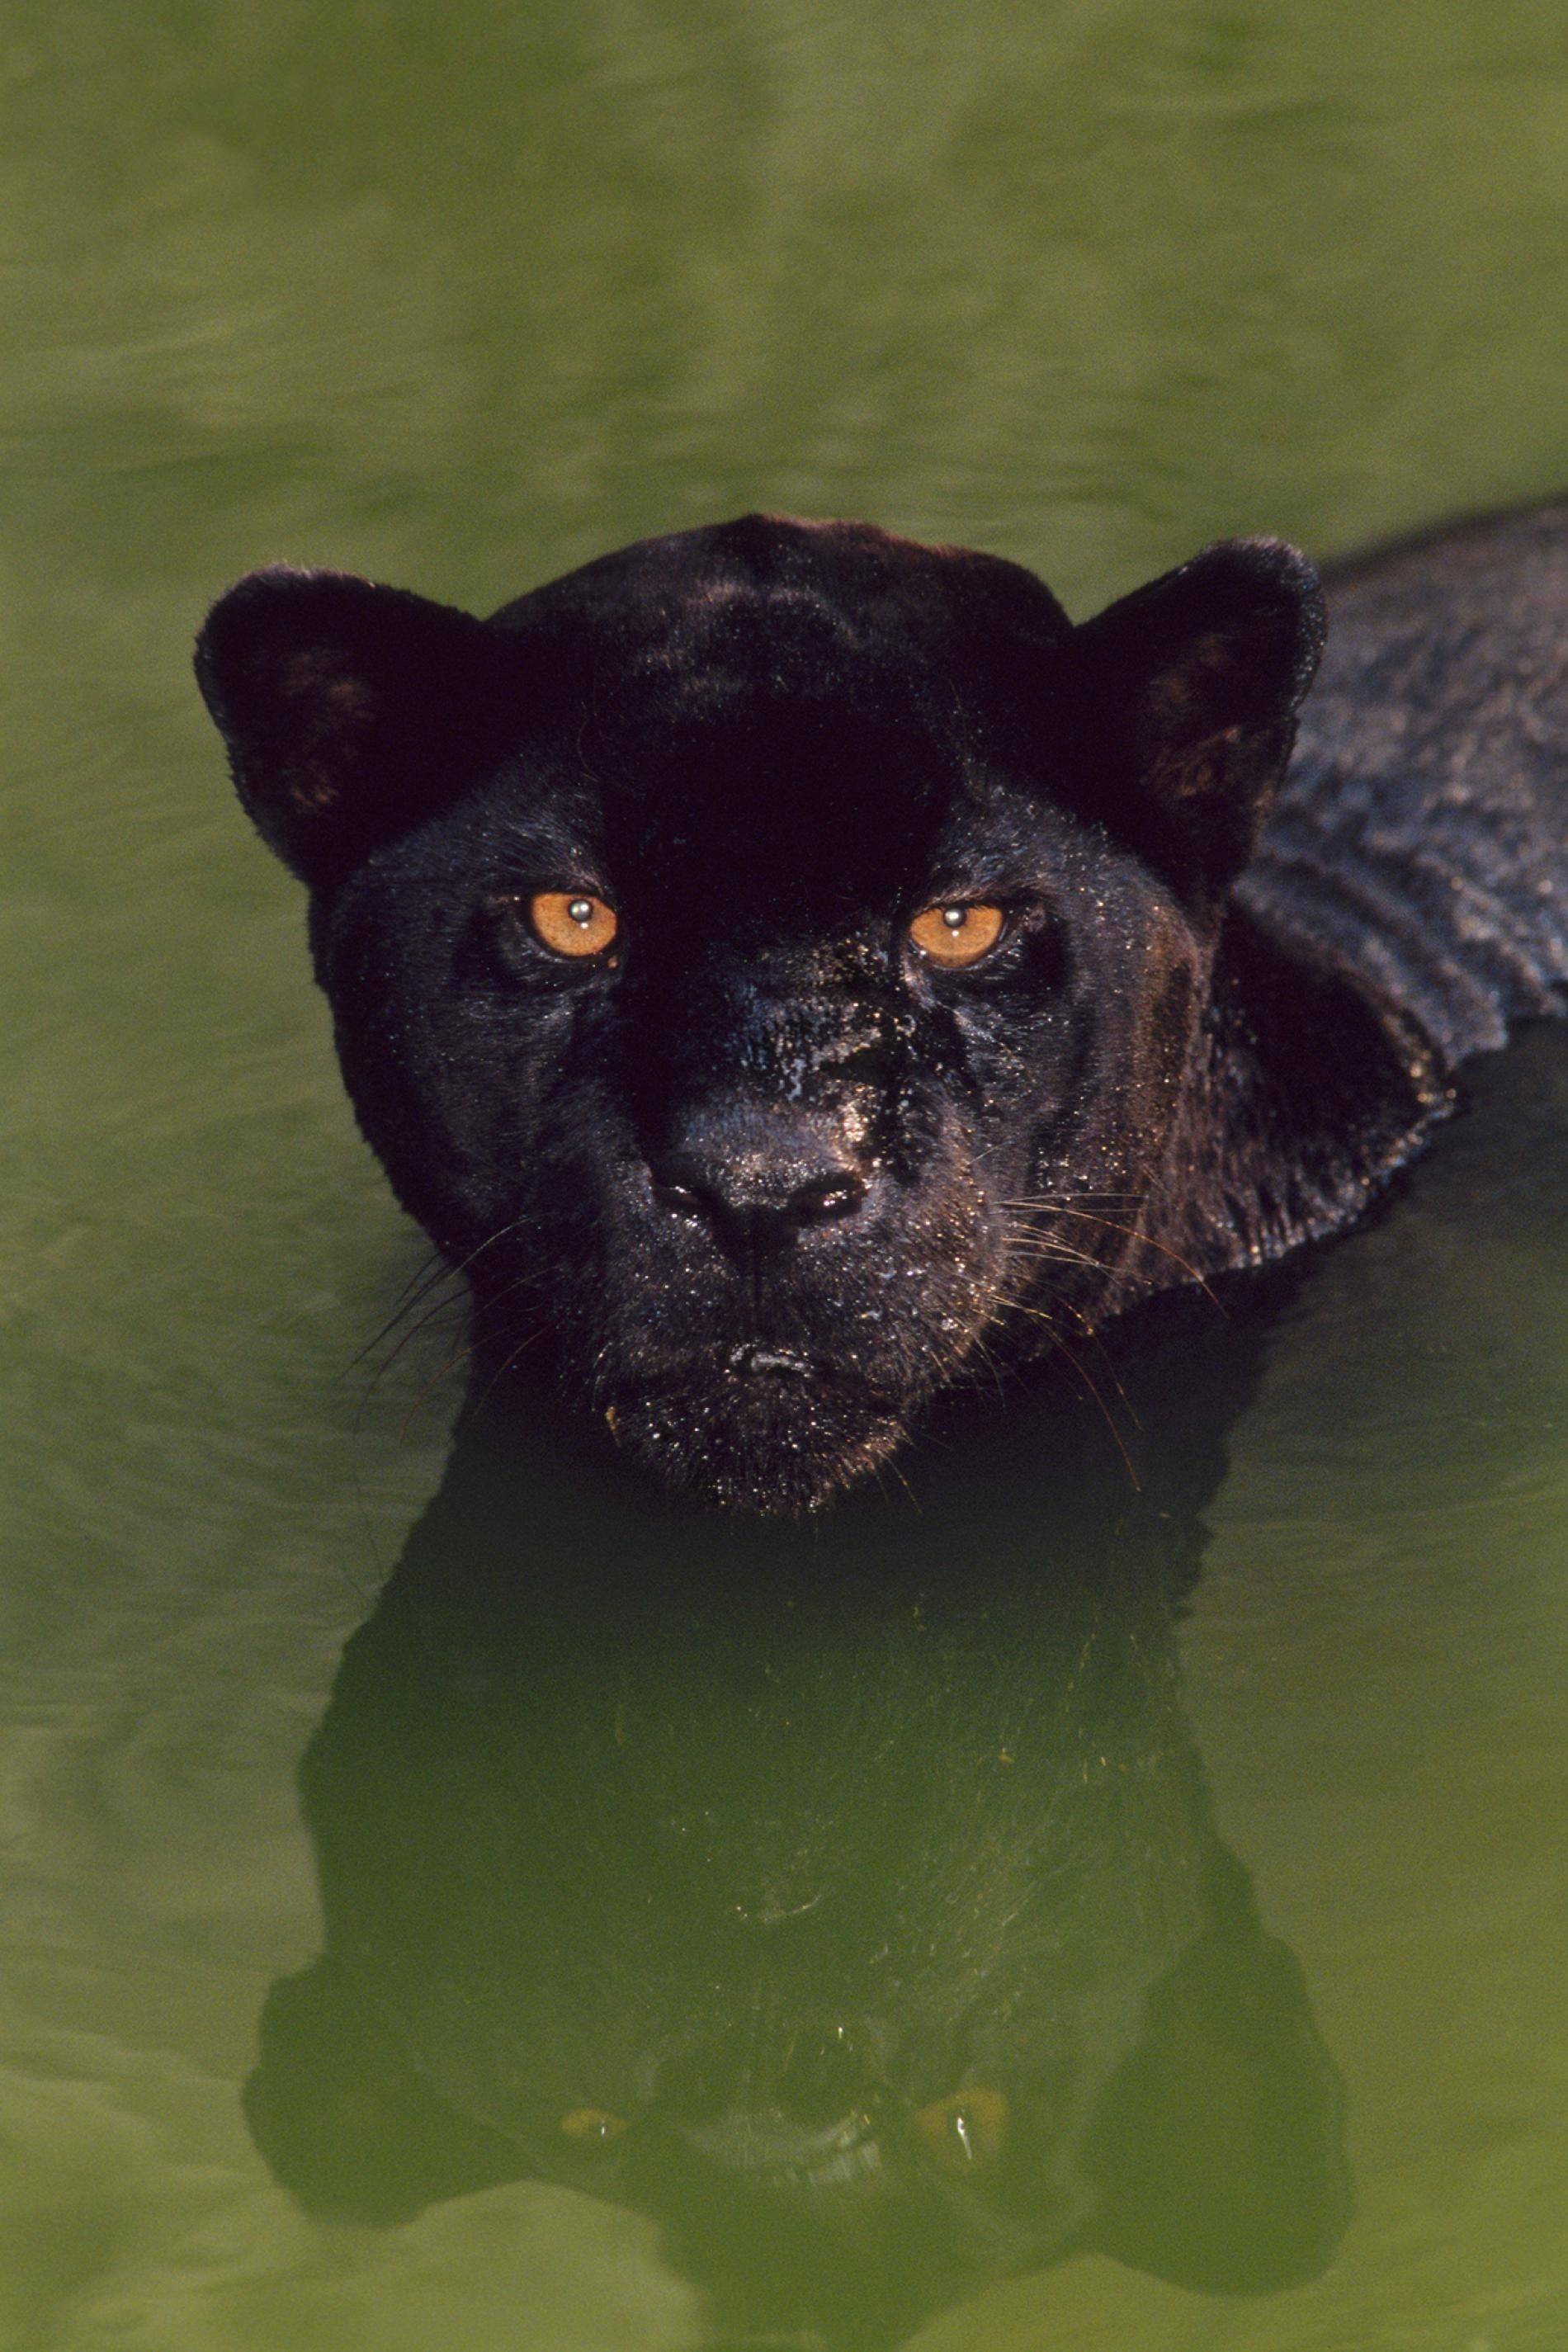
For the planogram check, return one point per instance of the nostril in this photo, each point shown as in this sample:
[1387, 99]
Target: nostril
[827, 1197]
[682, 1198]
[676, 1186]
[755, 1205]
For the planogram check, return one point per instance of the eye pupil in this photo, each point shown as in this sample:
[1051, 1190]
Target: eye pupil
[574, 923]
[968, 2129]
[959, 932]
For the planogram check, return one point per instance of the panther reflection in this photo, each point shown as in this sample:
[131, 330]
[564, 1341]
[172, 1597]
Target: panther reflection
[848, 1899]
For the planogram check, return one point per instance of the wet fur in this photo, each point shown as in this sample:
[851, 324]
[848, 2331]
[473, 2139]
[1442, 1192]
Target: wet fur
[1229, 1003]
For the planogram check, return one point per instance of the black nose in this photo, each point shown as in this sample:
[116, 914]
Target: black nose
[759, 1176]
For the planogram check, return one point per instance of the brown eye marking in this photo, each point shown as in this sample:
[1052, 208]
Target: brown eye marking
[595, 2125]
[955, 935]
[965, 2130]
[573, 922]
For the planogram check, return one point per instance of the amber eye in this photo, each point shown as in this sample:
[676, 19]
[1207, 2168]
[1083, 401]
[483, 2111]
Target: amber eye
[592, 2125]
[965, 2130]
[573, 922]
[958, 934]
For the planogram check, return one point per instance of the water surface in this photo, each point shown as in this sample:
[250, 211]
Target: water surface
[457, 298]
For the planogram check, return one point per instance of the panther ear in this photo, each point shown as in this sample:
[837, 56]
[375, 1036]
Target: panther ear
[1182, 703]
[345, 2123]
[350, 712]
[1218, 2146]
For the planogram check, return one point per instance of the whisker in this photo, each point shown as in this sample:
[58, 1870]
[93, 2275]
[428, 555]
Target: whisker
[432, 1314]
[1133, 1231]
[462, 1355]
[978, 1348]
[507, 1362]
[432, 1269]
[1105, 1413]
[1061, 1253]
[420, 1284]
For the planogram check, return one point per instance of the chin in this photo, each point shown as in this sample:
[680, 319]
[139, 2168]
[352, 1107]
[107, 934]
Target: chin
[775, 1440]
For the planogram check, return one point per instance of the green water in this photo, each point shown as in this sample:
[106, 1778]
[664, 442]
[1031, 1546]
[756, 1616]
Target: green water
[458, 297]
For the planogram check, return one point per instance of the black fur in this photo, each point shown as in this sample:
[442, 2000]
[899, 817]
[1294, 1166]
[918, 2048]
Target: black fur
[765, 1182]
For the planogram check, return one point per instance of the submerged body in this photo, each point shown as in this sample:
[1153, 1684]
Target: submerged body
[1420, 834]
[795, 973]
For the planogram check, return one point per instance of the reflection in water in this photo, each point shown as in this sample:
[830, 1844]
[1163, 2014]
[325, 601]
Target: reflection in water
[845, 1897]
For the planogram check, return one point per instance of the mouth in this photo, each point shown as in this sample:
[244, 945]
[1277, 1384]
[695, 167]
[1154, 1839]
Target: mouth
[756, 1362]
[758, 1428]
[790, 2159]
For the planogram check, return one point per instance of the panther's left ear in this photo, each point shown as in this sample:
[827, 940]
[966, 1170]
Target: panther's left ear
[1217, 2149]
[1181, 705]
[351, 711]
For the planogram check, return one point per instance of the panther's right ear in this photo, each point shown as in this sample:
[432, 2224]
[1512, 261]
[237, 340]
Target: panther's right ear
[350, 712]
[346, 2124]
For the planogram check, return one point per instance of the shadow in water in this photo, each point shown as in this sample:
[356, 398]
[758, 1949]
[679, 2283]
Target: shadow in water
[845, 1897]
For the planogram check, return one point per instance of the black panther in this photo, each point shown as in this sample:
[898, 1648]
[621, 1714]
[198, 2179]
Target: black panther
[847, 1898]
[794, 972]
